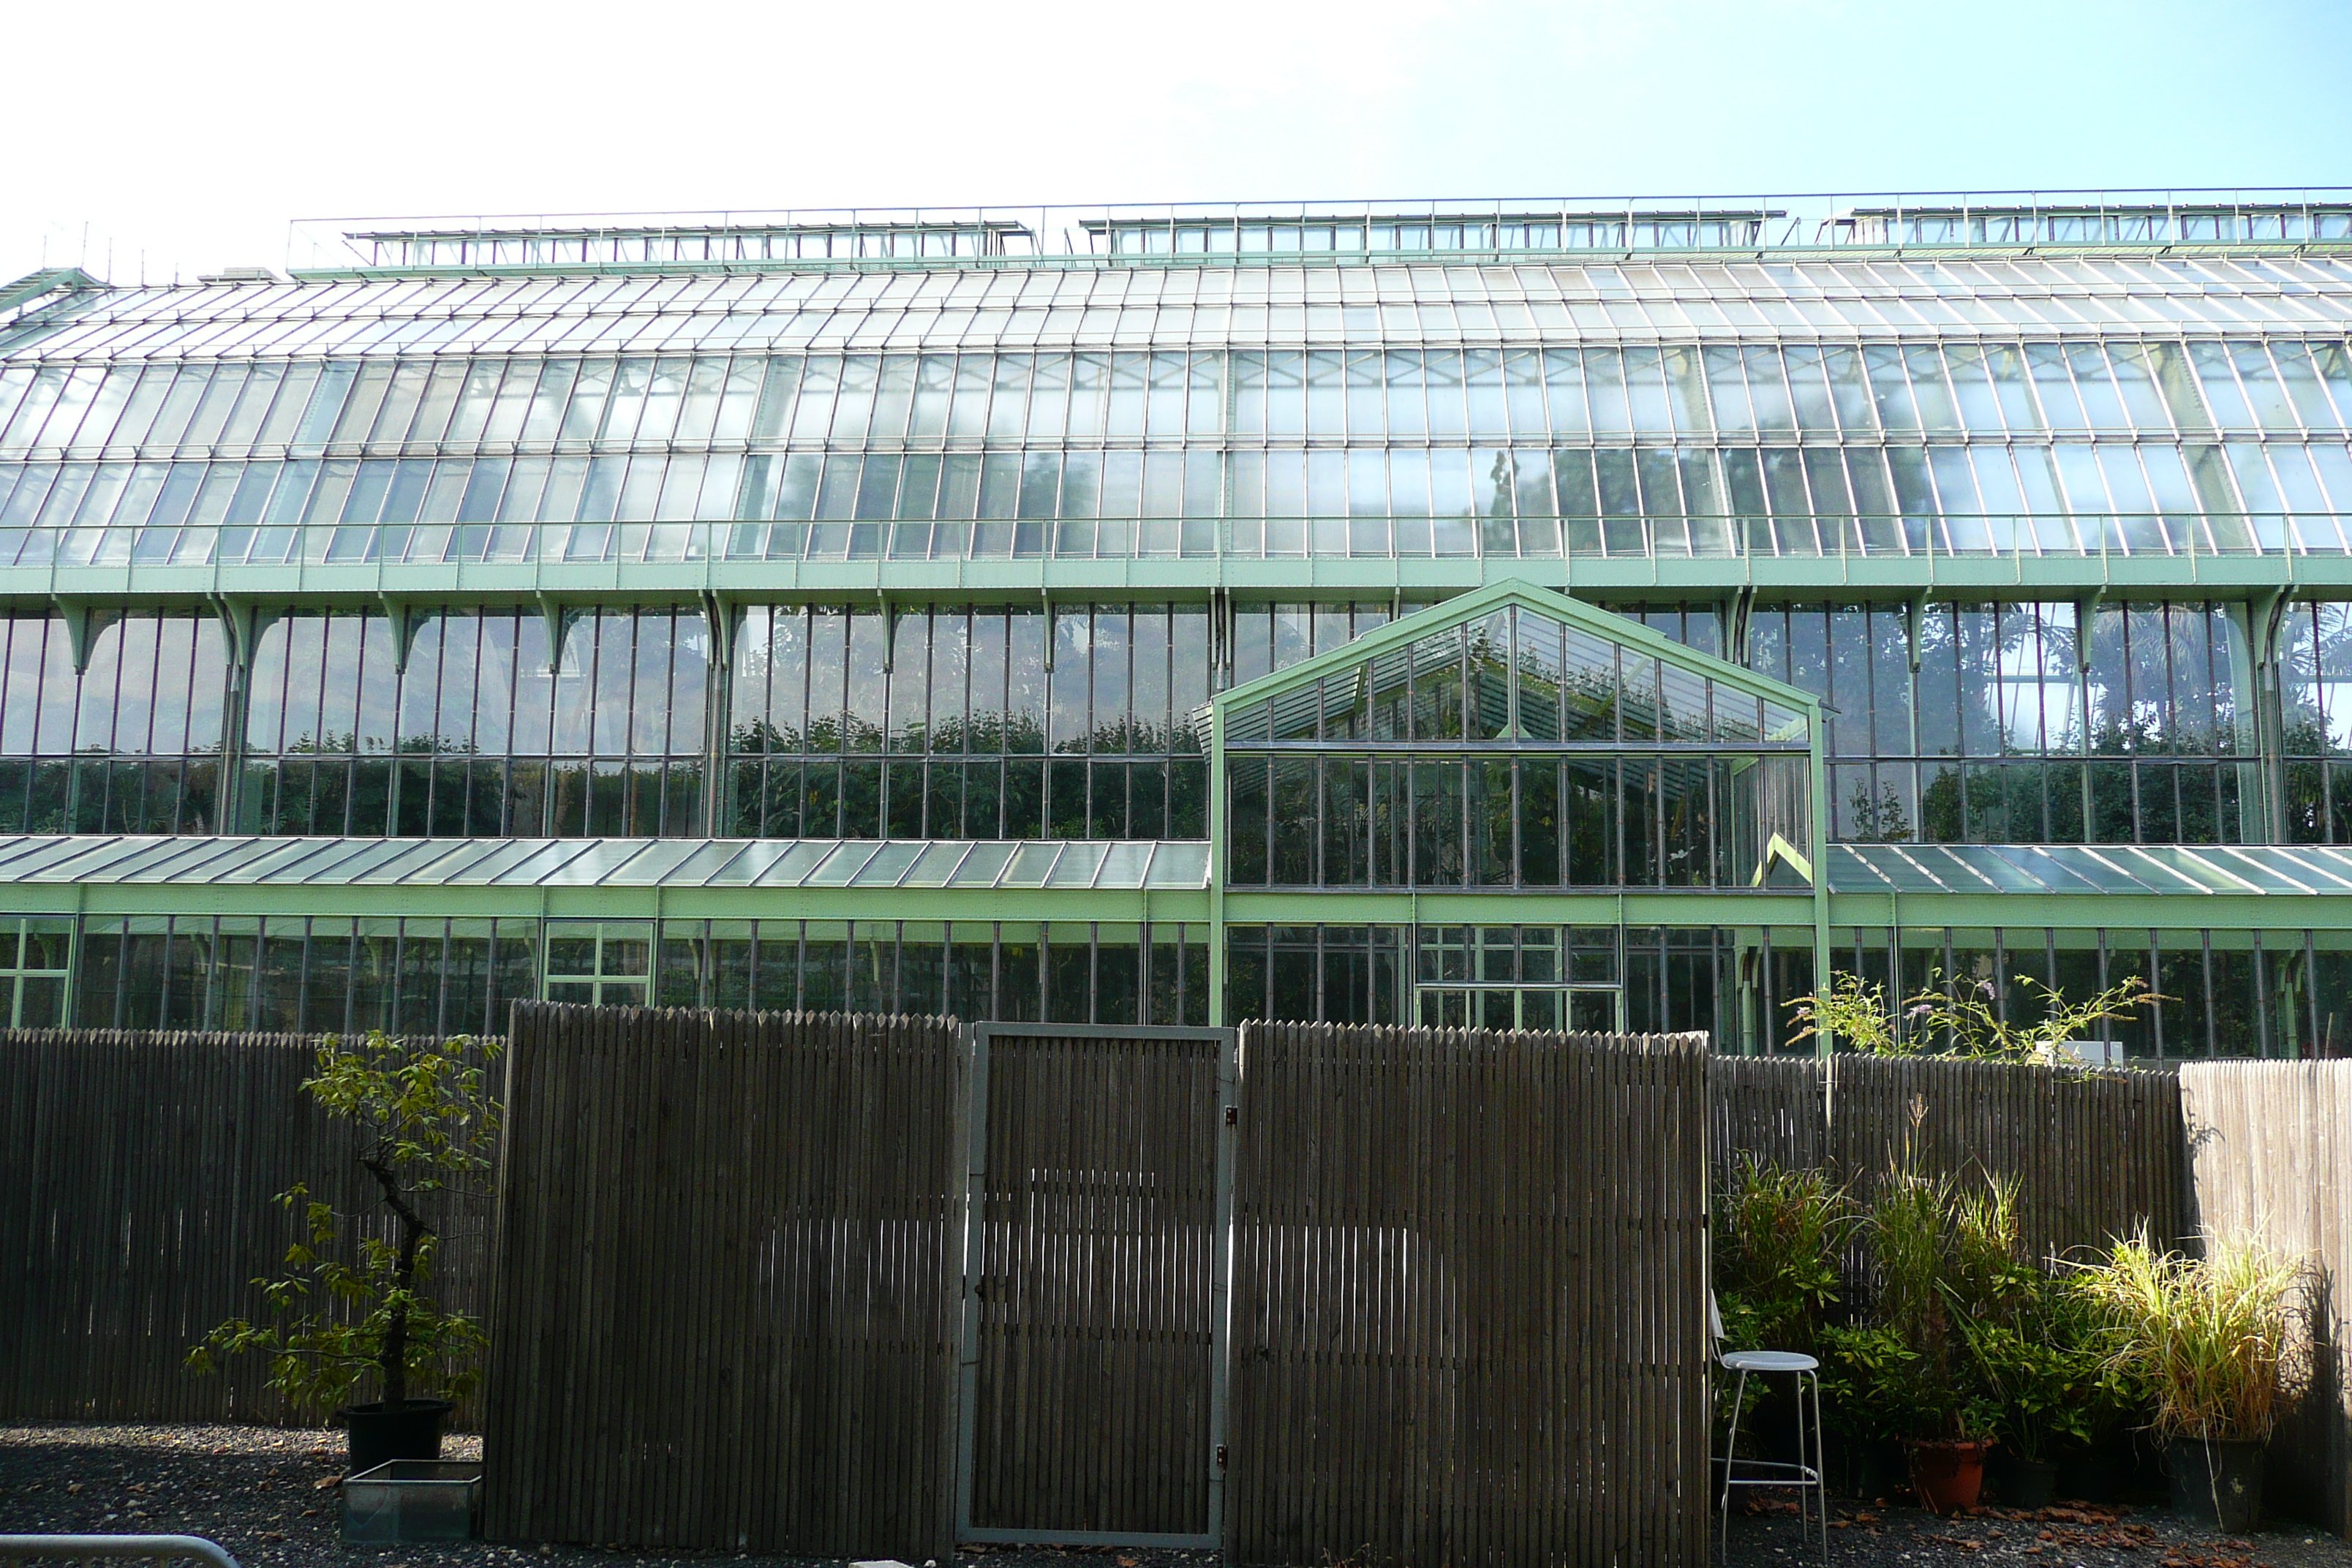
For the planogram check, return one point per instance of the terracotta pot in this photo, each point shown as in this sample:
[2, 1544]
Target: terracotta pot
[1949, 1477]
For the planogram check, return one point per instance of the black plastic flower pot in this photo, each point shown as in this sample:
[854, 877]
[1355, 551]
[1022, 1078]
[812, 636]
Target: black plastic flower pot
[2219, 1484]
[382, 1432]
[2024, 1483]
[2101, 1473]
[1873, 1469]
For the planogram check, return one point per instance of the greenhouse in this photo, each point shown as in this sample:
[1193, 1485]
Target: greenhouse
[1524, 615]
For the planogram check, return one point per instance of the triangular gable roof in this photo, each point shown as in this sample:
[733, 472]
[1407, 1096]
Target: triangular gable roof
[1480, 602]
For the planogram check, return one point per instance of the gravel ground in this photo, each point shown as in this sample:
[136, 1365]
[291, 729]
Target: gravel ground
[2073, 1535]
[269, 1496]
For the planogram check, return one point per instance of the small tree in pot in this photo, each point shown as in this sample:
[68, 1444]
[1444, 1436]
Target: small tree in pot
[2213, 1340]
[350, 1308]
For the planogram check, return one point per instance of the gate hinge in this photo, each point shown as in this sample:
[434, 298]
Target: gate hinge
[1233, 1116]
[1221, 1456]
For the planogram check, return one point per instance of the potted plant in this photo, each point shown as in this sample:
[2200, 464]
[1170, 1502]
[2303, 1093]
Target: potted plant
[352, 1306]
[2212, 1341]
[2048, 1364]
[1940, 1256]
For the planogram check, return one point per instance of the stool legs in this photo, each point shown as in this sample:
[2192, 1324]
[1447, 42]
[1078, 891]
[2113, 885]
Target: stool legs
[1809, 1477]
[1821, 1466]
[1739, 1402]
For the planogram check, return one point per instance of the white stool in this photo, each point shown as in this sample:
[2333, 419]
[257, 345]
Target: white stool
[1804, 1478]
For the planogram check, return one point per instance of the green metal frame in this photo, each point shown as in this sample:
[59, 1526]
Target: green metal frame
[1513, 907]
[2015, 574]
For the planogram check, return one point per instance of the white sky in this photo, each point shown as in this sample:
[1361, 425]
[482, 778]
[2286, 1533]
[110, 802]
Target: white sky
[183, 138]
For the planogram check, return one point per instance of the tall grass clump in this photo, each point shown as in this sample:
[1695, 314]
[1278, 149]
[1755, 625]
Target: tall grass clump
[2210, 1341]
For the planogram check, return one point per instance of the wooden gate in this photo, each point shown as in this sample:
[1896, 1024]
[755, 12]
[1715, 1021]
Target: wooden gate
[1093, 1341]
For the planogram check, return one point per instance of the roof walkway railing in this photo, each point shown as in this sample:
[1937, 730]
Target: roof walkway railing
[1332, 232]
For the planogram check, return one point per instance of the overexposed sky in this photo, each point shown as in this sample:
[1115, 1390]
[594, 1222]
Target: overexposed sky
[179, 139]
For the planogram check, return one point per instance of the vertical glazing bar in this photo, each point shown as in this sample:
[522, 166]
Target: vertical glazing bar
[1218, 847]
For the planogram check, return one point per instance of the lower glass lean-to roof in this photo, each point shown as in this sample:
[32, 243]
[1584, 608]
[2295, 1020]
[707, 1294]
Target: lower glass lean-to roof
[2071, 885]
[635, 863]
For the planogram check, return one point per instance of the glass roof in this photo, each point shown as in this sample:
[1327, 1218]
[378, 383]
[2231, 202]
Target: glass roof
[604, 862]
[2289, 870]
[2266, 869]
[1515, 663]
[1011, 306]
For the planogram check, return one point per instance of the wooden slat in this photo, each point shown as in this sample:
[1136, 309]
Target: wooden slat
[2095, 1154]
[1098, 1208]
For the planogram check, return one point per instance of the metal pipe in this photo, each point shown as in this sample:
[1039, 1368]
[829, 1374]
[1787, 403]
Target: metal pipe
[163, 1547]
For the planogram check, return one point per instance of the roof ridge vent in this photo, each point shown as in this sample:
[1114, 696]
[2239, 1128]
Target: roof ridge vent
[239, 275]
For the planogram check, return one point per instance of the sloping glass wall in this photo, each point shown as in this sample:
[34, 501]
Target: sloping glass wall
[1515, 452]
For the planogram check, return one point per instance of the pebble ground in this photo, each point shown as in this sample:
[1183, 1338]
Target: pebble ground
[268, 1495]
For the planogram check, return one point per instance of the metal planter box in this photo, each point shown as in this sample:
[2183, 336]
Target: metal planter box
[413, 1499]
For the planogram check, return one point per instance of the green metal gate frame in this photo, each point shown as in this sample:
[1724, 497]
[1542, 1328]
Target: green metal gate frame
[977, 1037]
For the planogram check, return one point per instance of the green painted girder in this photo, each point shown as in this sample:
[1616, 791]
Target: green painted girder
[1509, 907]
[50, 280]
[2094, 911]
[1678, 577]
[1648, 908]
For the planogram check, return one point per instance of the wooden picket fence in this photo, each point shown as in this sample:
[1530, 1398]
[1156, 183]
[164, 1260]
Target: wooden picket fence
[2272, 1143]
[2095, 1152]
[727, 1282]
[1465, 1292]
[137, 1178]
[1469, 1307]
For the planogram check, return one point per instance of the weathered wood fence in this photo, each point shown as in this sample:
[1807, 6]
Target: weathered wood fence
[2272, 1143]
[136, 1178]
[728, 1290]
[1468, 1294]
[2094, 1153]
[1464, 1310]
[1469, 1310]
